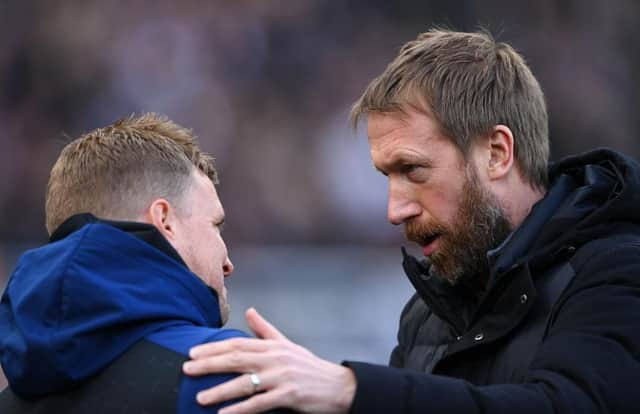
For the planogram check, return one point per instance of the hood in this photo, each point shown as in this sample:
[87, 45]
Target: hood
[74, 305]
[606, 191]
[589, 196]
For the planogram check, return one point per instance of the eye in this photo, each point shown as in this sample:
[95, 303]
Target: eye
[219, 225]
[414, 172]
[409, 168]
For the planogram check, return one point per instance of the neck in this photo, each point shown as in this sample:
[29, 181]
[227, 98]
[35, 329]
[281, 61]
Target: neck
[521, 202]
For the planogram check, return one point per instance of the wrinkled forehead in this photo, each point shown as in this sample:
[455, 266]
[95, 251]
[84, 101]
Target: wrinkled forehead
[409, 138]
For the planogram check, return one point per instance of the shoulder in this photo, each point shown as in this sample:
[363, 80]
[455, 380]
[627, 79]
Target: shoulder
[182, 338]
[614, 259]
[603, 290]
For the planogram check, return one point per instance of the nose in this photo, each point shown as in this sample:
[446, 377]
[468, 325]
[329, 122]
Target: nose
[401, 205]
[227, 267]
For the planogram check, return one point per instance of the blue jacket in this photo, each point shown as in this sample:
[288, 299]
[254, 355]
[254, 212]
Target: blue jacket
[74, 306]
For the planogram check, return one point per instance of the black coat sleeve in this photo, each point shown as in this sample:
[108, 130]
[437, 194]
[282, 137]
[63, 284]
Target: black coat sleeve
[587, 363]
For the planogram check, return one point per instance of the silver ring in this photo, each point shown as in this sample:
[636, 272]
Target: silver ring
[255, 381]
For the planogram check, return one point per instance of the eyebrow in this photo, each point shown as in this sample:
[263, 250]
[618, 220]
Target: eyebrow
[404, 159]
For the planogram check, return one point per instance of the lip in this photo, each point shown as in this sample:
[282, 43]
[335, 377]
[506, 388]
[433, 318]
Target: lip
[430, 247]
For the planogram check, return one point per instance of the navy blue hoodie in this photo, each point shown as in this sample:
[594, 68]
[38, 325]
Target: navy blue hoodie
[75, 305]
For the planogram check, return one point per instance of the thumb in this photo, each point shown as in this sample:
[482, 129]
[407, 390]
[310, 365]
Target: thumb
[261, 327]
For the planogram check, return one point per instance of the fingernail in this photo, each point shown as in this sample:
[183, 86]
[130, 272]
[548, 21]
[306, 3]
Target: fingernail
[201, 398]
[187, 366]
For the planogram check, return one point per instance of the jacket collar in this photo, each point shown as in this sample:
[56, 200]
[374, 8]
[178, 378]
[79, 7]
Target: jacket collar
[142, 231]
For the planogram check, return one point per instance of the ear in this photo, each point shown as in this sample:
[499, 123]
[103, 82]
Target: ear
[501, 155]
[161, 215]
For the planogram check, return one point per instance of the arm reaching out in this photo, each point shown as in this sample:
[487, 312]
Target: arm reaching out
[289, 375]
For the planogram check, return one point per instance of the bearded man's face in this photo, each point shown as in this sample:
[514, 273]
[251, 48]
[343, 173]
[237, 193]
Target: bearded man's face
[479, 226]
[436, 193]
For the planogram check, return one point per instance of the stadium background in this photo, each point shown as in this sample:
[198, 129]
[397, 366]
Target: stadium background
[267, 86]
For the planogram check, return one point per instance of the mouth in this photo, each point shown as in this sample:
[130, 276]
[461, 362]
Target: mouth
[429, 244]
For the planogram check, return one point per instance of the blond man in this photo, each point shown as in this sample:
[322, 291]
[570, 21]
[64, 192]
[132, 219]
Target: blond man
[101, 318]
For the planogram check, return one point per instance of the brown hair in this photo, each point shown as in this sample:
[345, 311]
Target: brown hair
[113, 172]
[470, 83]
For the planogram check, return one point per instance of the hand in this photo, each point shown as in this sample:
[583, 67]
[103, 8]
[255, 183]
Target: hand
[289, 374]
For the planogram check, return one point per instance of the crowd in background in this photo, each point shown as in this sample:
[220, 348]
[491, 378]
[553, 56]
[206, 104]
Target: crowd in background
[267, 86]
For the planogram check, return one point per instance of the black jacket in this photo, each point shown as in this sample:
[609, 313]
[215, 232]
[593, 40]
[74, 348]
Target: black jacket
[557, 329]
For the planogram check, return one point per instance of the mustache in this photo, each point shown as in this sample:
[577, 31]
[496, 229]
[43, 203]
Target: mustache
[423, 233]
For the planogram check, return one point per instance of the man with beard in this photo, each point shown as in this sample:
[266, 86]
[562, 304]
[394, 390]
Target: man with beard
[528, 299]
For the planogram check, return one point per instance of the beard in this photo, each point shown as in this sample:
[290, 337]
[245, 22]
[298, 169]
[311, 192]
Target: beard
[479, 226]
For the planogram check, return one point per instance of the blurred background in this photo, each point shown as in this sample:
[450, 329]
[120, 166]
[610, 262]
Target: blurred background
[267, 86]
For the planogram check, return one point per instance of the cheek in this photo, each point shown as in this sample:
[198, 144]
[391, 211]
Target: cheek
[214, 254]
[442, 204]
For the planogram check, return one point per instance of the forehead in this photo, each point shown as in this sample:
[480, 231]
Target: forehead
[408, 137]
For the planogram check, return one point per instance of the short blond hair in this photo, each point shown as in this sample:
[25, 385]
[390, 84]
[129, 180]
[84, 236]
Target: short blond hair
[470, 83]
[113, 172]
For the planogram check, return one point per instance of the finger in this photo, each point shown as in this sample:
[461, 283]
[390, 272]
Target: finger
[261, 327]
[256, 404]
[236, 361]
[227, 346]
[238, 387]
